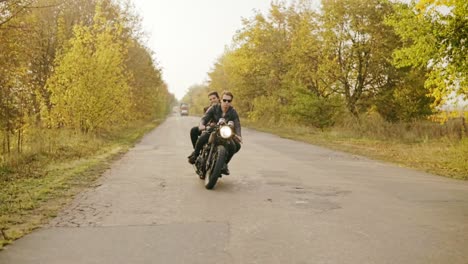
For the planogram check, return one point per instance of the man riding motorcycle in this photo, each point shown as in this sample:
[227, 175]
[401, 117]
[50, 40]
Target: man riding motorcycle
[195, 132]
[226, 111]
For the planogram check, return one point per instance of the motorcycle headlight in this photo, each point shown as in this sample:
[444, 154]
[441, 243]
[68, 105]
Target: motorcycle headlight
[225, 131]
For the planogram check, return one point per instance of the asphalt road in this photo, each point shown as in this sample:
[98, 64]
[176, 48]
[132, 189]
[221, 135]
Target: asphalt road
[284, 202]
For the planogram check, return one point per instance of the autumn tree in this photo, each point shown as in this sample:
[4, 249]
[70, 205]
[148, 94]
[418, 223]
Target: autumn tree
[275, 67]
[357, 46]
[434, 34]
[90, 86]
[14, 88]
[197, 98]
[147, 90]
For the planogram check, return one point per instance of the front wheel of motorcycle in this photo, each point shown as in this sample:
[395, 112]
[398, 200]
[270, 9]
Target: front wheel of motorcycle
[218, 160]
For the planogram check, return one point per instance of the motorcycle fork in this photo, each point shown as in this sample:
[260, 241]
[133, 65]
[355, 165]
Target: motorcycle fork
[208, 159]
[211, 140]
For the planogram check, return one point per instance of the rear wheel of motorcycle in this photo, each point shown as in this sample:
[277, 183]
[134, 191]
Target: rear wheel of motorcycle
[215, 171]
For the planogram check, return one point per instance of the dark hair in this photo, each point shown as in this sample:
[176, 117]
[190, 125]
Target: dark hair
[215, 93]
[228, 93]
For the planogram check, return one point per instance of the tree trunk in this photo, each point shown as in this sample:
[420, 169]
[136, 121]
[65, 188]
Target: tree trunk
[4, 144]
[7, 135]
[464, 127]
[19, 141]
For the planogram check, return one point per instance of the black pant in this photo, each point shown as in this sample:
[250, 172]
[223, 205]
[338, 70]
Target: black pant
[194, 133]
[232, 146]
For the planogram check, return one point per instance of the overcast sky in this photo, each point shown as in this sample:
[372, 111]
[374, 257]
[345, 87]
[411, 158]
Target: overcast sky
[188, 36]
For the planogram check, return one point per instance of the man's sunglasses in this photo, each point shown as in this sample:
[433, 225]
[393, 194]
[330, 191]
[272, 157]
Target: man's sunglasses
[227, 100]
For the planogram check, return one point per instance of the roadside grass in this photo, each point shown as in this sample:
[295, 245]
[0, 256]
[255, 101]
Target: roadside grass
[444, 156]
[36, 186]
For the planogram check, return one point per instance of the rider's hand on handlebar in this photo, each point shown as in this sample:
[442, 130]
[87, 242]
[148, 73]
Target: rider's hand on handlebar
[239, 138]
[201, 127]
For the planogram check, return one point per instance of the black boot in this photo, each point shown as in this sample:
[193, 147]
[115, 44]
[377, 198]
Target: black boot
[225, 169]
[192, 158]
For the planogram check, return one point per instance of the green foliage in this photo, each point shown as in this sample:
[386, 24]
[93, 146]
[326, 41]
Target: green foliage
[434, 34]
[304, 54]
[406, 100]
[267, 110]
[357, 46]
[309, 109]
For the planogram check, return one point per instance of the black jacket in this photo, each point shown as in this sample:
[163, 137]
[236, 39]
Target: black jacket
[215, 113]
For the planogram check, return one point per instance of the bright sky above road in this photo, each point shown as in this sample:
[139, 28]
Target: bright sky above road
[188, 36]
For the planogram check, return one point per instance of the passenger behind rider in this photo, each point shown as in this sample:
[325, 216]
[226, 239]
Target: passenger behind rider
[195, 132]
[226, 111]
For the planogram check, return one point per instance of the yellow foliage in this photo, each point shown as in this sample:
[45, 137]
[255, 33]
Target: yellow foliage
[443, 116]
[90, 86]
[424, 5]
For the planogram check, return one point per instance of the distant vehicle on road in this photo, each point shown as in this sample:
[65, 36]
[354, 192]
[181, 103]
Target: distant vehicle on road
[184, 109]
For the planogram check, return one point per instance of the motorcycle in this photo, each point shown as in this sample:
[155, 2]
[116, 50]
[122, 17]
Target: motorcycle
[212, 158]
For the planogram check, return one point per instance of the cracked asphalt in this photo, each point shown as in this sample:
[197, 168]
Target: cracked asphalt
[284, 202]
